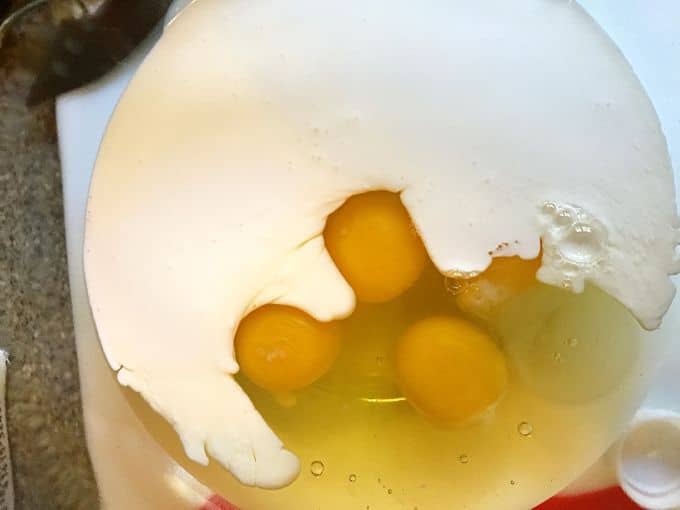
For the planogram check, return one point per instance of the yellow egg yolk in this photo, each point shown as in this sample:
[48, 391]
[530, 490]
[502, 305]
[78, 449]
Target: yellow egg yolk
[282, 349]
[449, 369]
[504, 278]
[375, 246]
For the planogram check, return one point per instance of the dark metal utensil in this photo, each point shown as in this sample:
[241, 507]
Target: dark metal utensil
[84, 49]
[7, 18]
[4, 8]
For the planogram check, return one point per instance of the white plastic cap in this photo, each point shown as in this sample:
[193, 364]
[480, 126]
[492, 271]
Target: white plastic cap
[648, 460]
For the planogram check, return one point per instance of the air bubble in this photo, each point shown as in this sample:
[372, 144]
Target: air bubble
[574, 244]
[549, 208]
[455, 287]
[525, 429]
[572, 342]
[389, 491]
[513, 482]
[557, 357]
[563, 217]
[573, 236]
[352, 478]
[582, 245]
[463, 459]
[462, 275]
[317, 468]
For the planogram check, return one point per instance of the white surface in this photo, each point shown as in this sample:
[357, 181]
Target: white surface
[644, 29]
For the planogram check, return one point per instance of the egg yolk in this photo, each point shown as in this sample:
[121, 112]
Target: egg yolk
[504, 278]
[374, 244]
[449, 369]
[282, 349]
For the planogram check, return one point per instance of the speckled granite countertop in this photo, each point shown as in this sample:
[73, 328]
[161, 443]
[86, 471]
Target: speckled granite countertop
[51, 467]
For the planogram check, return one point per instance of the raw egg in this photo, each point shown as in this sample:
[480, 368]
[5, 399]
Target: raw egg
[282, 349]
[449, 369]
[375, 246]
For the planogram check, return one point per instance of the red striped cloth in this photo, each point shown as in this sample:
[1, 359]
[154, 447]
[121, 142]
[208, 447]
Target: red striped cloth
[611, 498]
[217, 503]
